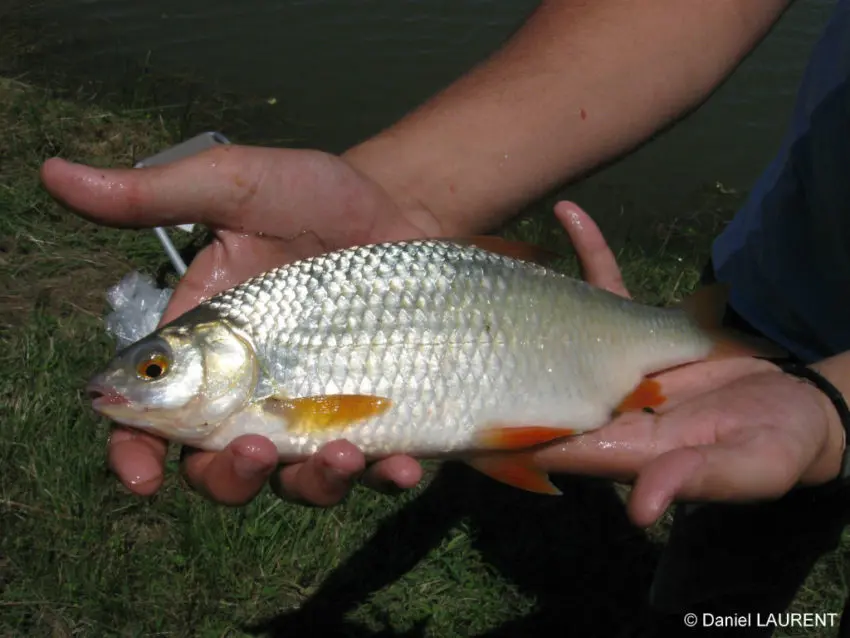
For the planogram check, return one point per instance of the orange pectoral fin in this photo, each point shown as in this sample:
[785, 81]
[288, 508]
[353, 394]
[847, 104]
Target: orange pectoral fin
[517, 438]
[329, 412]
[646, 395]
[516, 470]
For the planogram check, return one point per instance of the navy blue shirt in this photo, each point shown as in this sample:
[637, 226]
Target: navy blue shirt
[786, 254]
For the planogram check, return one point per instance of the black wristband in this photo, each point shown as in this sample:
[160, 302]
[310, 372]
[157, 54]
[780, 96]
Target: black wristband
[834, 395]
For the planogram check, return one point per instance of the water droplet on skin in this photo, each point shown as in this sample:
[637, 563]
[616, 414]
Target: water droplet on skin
[137, 479]
[574, 218]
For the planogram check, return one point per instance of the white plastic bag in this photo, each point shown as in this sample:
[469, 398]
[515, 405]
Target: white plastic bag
[137, 306]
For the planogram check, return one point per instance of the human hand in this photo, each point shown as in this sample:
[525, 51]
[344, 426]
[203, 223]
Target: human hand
[731, 430]
[266, 207]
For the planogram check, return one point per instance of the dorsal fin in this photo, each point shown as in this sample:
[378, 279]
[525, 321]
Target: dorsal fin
[510, 248]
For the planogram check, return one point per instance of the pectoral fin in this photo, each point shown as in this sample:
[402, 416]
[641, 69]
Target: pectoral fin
[327, 412]
[517, 470]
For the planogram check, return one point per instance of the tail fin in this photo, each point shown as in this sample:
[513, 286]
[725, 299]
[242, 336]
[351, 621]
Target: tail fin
[707, 307]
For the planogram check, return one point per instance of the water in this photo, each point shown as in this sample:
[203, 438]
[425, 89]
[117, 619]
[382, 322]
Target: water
[340, 71]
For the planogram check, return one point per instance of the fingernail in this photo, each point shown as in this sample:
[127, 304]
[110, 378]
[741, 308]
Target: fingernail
[134, 467]
[138, 479]
[662, 504]
[247, 468]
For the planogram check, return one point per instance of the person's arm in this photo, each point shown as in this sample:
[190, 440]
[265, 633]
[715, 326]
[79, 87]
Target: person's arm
[579, 84]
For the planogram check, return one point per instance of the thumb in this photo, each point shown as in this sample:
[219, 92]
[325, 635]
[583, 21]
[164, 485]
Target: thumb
[752, 465]
[598, 264]
[213, 188]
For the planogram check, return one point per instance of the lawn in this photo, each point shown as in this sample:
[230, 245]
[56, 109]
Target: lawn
[461, 556]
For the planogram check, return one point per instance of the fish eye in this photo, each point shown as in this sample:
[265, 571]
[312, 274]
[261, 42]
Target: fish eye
[153, 367]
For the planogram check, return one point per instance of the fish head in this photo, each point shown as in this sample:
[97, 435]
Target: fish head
[180, 382]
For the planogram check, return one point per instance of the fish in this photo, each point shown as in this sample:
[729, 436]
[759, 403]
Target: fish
[475, 349]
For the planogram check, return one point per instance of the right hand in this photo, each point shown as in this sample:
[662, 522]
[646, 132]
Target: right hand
[303, 203]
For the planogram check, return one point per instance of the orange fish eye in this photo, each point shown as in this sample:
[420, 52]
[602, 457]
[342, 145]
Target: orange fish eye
[153, 367]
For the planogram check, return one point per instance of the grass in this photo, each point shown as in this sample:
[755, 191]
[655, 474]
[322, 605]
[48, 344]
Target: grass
[461, 556]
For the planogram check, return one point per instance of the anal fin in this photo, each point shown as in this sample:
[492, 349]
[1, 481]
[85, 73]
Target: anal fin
[647, 394]
[517, 470]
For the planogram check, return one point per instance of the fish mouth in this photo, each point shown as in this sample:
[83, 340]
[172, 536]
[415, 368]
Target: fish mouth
[103, 398]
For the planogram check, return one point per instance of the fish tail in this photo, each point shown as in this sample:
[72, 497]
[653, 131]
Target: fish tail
[707, 308]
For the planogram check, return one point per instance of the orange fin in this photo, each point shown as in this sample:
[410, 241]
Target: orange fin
[516, 470]
[517, 438]
[509, 248]
[330, 412]
[707, 307]
[646, 395]
[729, 343]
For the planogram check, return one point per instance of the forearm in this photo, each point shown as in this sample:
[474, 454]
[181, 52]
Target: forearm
[581, 83]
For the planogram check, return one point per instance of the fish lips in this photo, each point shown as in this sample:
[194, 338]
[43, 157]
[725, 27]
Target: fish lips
[105, 399]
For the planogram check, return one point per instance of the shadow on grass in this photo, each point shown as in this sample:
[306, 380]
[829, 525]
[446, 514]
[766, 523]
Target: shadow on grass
[586, 565]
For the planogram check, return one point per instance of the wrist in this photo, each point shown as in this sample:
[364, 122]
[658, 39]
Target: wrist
[441, 186]
[832, 462]
[375, 159]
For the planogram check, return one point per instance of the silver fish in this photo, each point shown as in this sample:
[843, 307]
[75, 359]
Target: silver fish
[431, 348]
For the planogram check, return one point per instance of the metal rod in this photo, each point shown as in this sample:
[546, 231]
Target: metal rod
[171, 251]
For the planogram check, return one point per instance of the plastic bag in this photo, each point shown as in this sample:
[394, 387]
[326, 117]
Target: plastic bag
[137, 306]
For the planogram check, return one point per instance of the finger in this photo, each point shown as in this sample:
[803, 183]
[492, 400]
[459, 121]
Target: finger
[138, 459]
[393, 474]
[203, 188]
[227, 188]
[615, 451]
[598, 264]
[324, 479]
[235, 475]
[752, 465]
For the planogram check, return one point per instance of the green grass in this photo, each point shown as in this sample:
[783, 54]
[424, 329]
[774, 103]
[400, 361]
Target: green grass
[461, 556]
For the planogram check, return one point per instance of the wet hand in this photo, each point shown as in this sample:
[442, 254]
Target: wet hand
[734, 431]
[266, 207]
[731, 430]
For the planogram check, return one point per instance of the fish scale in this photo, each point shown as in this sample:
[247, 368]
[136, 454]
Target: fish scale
[457, 337]
[428, 348]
